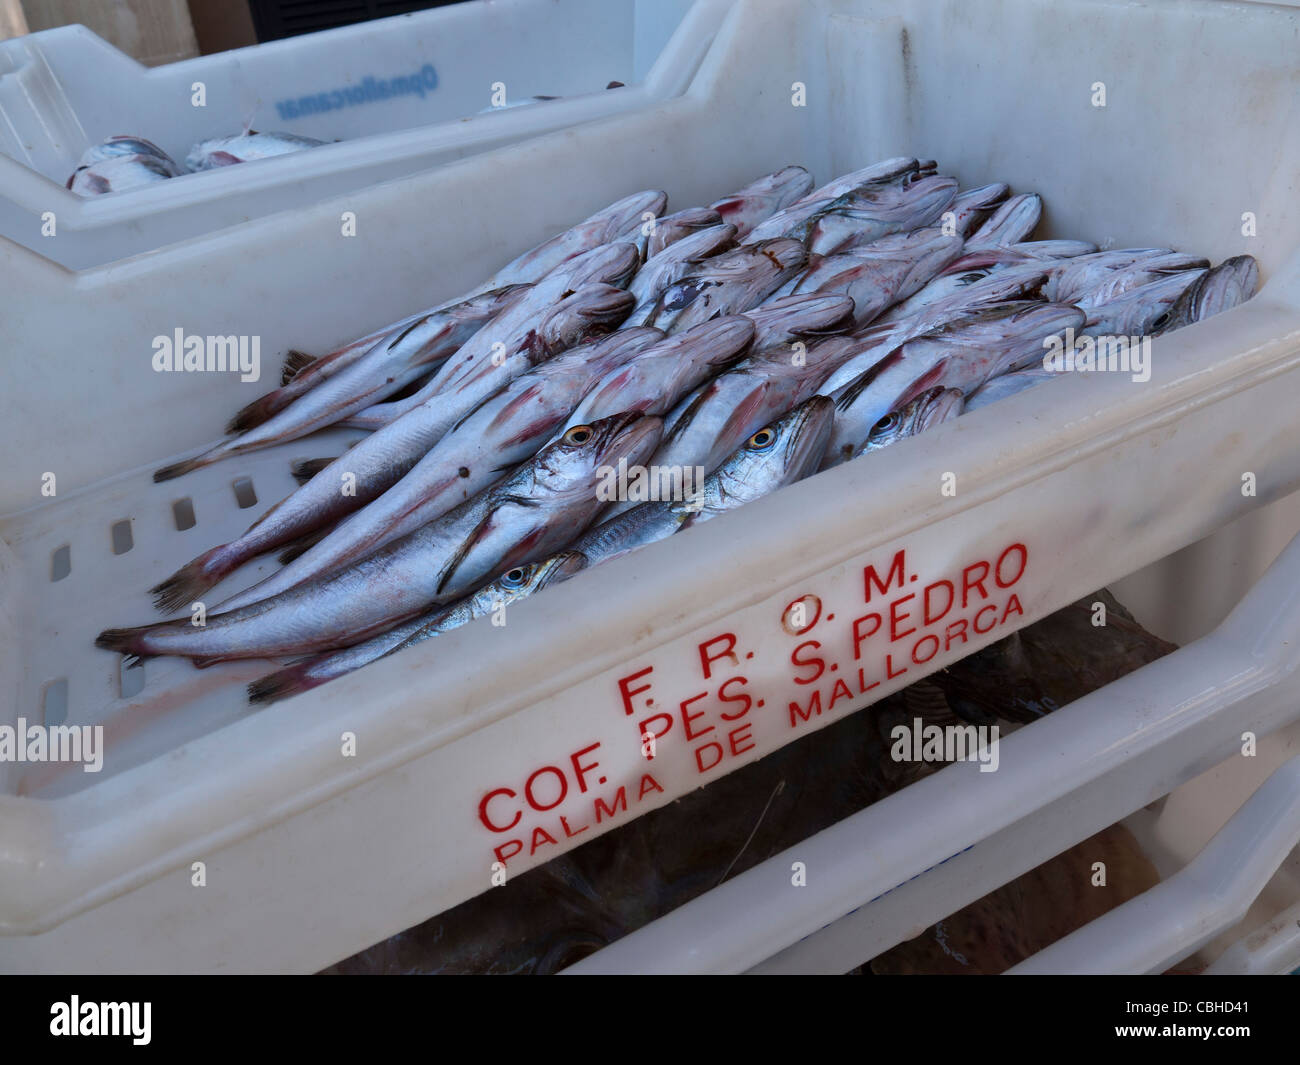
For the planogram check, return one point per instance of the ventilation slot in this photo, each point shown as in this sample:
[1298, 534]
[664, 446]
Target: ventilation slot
[54, 702]
[61, 563]
[244, 494]
[183, 514]
[123, 541]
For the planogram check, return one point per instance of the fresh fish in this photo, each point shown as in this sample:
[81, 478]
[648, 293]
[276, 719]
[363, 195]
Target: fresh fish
[1118, 282]
[1136, 312]
[531, 514]
[809, 316]
[510, 344]
[1008, 384]
[710, 423]
[880, 274]
[116, 147]
[1011, 223]
[1054, 249]
[776, 455]
[620, 221]
[865, 215]
[728, 283]
[377, 462]
[1232, 282]
[504, 430]
[932, 407]
[119, 174]
[246, 148]
[761, 199]
[663, 373]
[963, 356]
[971, 207]
[793, 221]
[668, 230]
[510, 587]
[1071, 280]
[671, 265]
[387, 367]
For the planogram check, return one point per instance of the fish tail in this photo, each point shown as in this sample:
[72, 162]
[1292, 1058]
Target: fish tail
[130, 642]
[305, 469]
[176, 469]
[192, 580]
[294, 363]
[303, 544]
[260, 410]
[280, 685]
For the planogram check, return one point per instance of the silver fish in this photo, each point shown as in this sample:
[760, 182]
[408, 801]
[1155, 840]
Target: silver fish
[710, 423]
[656, 237]
[1230, 283]
[865, 215]
[507, 428]
[932, 407]
[880, 274]
[119, 174]
[510, 587]
[377, 462]
[116, 147]
[1054, 249]
[1118, 282]
[246, 148]
[970, 208]
[793, 221]
[1011, 223]
[620, 221]
[507, 346]
[1008, 384]
[385, 368]
[1072, 279]
[761, 199]
[531, 514]
[963, 355]
[663, 373]
[808, 317]
[1136, 312]
[775, 455]
[728, 283]
[671, 265]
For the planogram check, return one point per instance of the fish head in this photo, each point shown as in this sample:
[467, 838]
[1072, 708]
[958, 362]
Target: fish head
[1011, 222]
[622, 219]
[1230, 283]
[719, 342]
[591, 311]
[570, 466]
[781, 453]
[932, 407]
[676, 227]
[611, 264]
[525, 580]
[805, 316]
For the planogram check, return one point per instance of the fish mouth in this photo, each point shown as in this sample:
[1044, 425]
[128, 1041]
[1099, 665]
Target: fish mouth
[558, 568]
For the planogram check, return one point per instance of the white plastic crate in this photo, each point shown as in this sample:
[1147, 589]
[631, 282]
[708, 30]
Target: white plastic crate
[1095, 480]
[399, 95]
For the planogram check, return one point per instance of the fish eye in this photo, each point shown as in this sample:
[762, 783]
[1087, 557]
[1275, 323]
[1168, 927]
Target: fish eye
[761, 440]
[579, 434]
[516, 576]
[1161, 322]
[886, 424]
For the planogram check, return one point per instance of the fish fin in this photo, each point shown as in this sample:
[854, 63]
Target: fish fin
[253, 415]
[305, 469]
[454, 563]
[279, 685]
[203, 662]
[191, 580]
[295, 362]
[176, 469]
[303, 544]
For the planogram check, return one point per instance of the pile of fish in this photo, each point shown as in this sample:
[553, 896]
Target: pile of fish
[552, 916]
[122, 163]
[779, 331]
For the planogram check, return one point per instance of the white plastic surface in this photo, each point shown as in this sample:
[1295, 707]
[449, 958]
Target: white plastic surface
[1088, 765]
[1271, 951]
[1095, 477]
[65, 89]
